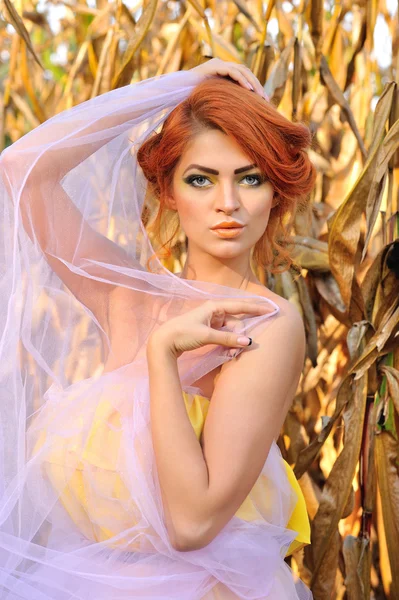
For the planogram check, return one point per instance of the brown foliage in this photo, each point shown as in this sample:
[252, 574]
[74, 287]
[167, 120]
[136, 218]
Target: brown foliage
[342, 431]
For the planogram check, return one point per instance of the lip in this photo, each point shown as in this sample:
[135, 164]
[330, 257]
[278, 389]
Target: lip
[228, 225]
[228, 232]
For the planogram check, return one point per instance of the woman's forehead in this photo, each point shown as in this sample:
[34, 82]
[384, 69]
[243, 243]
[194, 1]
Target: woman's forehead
[214, 149]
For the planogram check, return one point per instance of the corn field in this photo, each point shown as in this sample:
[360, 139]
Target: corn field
[320, 64]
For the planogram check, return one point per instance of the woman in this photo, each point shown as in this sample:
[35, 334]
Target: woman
[139, 449]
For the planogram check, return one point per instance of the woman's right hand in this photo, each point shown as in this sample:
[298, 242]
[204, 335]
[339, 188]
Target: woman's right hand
[240, 73]
[201, 326]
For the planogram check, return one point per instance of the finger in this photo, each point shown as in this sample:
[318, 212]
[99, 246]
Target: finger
[223, 67]
[239, 77]
[217, 319]
[226, 70]
[228, 339]
[256, 84]
[235, 307]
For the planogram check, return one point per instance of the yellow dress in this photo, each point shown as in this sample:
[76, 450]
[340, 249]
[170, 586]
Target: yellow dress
[97, 498]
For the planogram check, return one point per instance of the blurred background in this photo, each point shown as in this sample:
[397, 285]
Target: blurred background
[333, 66]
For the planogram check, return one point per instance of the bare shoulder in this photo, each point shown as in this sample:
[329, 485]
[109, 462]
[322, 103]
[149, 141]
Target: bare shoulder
[277, 353]
[287, 309]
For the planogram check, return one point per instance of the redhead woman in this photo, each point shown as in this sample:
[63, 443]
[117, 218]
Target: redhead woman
[141, 407]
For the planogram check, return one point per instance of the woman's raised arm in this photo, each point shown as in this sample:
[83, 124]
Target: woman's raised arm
[68, 218]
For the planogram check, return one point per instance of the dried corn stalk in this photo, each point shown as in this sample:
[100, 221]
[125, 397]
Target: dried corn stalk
[319, 66]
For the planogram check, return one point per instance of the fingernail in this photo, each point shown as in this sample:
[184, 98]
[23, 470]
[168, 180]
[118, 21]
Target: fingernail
[244, 341]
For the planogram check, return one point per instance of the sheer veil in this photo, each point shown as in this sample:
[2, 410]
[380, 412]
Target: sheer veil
[72, 197]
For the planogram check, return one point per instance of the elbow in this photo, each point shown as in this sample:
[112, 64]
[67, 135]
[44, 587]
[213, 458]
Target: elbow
[188, 538]
[5, 170]
[182, 545]
[4, 155]
[8, 158]
[5, 160]
[187, 544]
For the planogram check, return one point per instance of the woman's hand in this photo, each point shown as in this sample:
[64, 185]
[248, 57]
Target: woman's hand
[199, 327]
[236, 71]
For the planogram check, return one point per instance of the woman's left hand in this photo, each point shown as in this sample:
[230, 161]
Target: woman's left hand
[241, 73]
[199, 327]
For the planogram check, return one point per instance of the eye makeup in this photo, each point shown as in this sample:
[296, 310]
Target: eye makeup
[194, 177]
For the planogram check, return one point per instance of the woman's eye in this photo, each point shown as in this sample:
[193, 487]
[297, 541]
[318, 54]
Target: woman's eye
[258, 179]
[198, 179]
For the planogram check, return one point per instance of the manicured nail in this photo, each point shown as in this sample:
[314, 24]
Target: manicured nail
[244, 341]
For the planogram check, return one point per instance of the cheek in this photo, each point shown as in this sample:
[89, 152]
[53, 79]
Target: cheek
[259, 208]
[190, 213]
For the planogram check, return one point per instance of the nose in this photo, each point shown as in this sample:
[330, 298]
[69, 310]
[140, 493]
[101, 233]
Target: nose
[227, 200]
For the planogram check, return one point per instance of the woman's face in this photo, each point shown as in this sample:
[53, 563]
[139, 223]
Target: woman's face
[214, 182]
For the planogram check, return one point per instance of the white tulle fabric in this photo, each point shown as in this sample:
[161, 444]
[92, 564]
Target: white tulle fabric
[72, 194]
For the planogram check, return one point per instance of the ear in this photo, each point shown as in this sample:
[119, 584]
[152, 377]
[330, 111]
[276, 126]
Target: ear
[275, 200]
[169, 202]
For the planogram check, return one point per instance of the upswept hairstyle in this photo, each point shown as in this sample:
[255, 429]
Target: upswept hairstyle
[274, 144]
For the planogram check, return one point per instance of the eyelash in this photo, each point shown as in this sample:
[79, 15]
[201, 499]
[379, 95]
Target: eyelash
[192, 178]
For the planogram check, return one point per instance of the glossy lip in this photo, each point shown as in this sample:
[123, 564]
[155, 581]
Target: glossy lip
[228, 232]
[228, 224]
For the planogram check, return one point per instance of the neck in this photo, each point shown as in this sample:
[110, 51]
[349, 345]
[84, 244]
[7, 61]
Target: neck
[234, 273]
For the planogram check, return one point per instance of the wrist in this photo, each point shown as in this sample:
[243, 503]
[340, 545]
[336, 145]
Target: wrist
[160, 342]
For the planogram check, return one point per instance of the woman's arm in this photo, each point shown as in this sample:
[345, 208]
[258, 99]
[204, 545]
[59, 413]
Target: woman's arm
[33, 167]
[181, 466]
[203, 488]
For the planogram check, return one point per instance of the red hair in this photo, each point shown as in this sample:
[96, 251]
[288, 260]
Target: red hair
[274, 144]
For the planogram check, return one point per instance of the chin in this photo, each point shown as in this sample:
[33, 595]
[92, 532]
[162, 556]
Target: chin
[224, 253]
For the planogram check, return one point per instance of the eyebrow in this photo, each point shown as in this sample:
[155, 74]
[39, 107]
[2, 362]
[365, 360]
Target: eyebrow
[214, 172]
